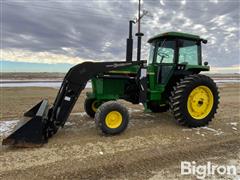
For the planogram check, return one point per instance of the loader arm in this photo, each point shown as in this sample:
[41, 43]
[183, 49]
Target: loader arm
[44, 122]
[73, 84]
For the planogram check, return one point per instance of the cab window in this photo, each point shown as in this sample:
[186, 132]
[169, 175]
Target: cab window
[188, 52]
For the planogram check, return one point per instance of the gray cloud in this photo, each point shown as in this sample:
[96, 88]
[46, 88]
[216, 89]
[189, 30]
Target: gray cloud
[97, 29]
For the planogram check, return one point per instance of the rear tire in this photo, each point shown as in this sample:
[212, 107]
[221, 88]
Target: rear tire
[194, 100]
[112, 118]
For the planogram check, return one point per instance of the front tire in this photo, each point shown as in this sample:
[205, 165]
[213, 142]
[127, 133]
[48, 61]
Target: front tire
[112, 118]
[194, 101]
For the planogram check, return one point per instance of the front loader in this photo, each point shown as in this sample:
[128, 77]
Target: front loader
[41, 122]
[168, 80]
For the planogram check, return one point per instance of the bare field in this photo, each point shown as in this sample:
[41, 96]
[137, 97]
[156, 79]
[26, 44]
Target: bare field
[151, 148]
[16, 101]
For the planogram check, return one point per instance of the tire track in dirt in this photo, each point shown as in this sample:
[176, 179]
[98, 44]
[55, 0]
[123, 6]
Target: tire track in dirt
[25, 158]
[137, 164]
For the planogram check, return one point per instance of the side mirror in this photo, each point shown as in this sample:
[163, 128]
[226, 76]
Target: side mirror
[204, 41]
[205, 63]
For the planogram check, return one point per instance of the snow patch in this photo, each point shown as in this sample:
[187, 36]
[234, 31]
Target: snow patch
[6, 127]
[149, 115]
[79, 114]
[214, 131]
[209, 129]
[233, 123]
[234, 128]
[69, 124]
[133, 110]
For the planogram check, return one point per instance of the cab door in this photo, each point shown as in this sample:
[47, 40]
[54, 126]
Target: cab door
[165, 60]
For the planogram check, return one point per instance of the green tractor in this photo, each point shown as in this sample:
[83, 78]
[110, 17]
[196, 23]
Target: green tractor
[168, 80]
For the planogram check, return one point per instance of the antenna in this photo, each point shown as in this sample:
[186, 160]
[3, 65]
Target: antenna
[139, 16]
[139, 34]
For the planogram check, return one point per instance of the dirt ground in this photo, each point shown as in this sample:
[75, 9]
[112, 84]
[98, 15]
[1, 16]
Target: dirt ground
[152, 147]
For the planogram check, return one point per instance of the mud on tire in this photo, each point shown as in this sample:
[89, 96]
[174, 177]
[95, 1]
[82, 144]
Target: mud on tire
[180, 95]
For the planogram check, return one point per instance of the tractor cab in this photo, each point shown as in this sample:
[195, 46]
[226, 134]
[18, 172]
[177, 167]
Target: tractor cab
[172, 51]
[175, 47]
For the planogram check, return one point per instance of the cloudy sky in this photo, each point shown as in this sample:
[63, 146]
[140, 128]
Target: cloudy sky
[67, 32]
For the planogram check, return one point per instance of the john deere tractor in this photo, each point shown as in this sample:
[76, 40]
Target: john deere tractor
[168, 80]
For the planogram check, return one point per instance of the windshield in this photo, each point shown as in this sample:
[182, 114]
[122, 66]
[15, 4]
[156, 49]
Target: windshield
[151, 53]
[165, 51]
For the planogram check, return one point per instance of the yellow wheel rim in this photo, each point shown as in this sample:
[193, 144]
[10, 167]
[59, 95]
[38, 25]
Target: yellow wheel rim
[94, 108]
[200, 102]
[113, 119]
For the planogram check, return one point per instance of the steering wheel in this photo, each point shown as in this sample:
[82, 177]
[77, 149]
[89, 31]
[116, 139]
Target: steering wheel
[162, 54]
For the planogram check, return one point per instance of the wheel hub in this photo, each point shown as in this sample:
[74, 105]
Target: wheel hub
[113, 119]
[200, 102]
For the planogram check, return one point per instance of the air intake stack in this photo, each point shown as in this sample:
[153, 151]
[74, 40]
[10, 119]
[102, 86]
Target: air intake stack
[129, 48]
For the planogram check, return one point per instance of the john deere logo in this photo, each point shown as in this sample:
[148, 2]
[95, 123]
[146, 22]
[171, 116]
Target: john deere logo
[119, 65]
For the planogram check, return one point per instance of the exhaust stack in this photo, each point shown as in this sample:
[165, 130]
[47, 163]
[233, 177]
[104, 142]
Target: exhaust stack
[129, 47]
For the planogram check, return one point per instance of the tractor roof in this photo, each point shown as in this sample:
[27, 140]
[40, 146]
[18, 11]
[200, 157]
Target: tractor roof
[175, 34]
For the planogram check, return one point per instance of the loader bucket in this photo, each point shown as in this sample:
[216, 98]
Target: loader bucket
[30, 131]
